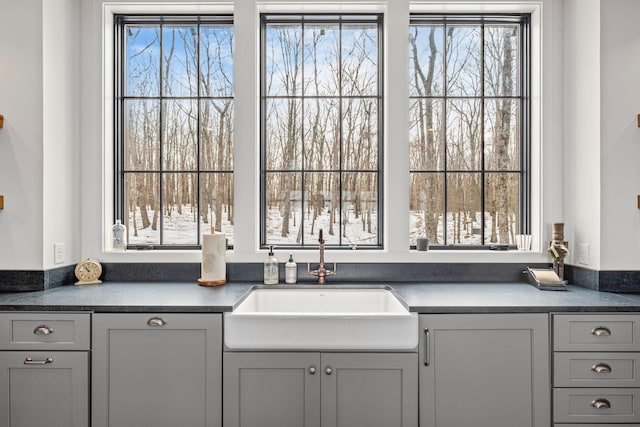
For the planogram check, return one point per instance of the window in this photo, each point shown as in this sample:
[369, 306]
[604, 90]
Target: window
[469, 129]
[321, 118]
[173, 128]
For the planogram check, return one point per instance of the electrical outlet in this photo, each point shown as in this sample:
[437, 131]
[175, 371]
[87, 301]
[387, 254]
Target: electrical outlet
[583, 253]
[58, 253]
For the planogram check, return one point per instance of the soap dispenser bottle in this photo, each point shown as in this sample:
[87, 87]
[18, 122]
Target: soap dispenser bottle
[291, 271]
[271, 269]
[118, 236]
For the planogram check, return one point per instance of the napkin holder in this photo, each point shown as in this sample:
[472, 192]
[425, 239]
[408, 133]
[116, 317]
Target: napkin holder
[545, 279]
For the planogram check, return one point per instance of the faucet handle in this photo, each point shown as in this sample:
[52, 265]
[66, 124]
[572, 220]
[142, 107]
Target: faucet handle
[332, 272]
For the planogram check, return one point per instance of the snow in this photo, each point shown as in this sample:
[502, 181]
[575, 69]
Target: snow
[181, 229]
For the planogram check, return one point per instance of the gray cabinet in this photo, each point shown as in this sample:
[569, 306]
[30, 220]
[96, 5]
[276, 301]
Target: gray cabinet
[272, 389]
[156, 370]
[44, 369]
[283, 389]
[369, 390]
[484, 370]
[596, 359]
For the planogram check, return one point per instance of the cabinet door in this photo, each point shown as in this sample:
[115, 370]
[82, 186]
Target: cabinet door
[369, 390]
[43, 389]
[271, 389]
[157, 370]
[484, 370]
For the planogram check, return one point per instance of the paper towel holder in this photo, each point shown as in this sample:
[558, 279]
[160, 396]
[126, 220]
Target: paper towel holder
[205, 282]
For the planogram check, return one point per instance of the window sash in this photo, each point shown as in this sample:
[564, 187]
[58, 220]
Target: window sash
[342, 172]
[523, 100]
[121, 171]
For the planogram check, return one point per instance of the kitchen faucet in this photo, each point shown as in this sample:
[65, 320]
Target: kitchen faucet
[321, 272]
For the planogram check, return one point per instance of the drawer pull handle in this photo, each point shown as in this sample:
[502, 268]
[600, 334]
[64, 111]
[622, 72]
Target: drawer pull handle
[43, 330]
[601, 331]
[30, 361]
[601, 368]
[156, 321]
[601, 404]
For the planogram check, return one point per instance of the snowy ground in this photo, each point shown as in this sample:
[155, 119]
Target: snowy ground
[354, 235]
[181, 229]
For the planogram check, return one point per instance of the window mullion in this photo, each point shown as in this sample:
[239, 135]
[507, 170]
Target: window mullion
[302, 156]
[161, 137]
[483, 104]
[340, 135]
[445, 139]
[199, 142]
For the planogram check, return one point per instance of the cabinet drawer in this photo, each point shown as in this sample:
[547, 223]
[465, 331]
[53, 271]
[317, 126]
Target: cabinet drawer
[580, 405]
[596, 332]
[596, 369]
[45, 331]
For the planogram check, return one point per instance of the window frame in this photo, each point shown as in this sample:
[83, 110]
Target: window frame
[523, 20]
[339, 18]
[97, 131]
[120, 21]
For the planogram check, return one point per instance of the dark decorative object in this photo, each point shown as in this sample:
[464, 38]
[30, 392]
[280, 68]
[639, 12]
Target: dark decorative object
[558, 249]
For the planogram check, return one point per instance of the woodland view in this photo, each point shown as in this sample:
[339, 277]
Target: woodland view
[321, 145]
[321, 130]
[178, 132]
[465, 143]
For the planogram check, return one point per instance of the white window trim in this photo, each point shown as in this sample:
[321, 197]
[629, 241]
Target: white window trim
[246, 131]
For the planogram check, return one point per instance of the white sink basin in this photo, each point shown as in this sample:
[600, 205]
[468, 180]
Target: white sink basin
[321, 318]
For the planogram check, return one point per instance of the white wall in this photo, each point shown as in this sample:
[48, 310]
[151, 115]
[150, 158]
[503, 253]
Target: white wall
[552, 106]
[61, 159]
[39, 76]
[581, 163]
[601, 136]
[21, 153]
[620, 135]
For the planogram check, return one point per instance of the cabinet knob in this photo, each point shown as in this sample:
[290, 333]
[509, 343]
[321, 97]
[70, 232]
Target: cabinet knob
[43, 330]
[156, 321]
[328, 370]
[601, 368]
[312, 370]
[601, 404]
[30, 361]
[601, 331]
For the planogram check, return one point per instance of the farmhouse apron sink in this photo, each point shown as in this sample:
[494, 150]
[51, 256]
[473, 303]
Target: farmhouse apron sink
[321, 318]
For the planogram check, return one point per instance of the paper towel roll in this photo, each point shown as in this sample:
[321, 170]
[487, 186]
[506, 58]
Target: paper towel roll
[214, 262]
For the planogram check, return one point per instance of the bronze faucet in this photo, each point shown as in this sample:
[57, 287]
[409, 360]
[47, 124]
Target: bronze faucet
[321, 272]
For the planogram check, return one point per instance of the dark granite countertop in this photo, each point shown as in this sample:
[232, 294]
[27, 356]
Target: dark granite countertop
[421, 298]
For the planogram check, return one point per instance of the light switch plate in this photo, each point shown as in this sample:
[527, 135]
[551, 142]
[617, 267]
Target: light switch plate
[58, 253]
[583, 254]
